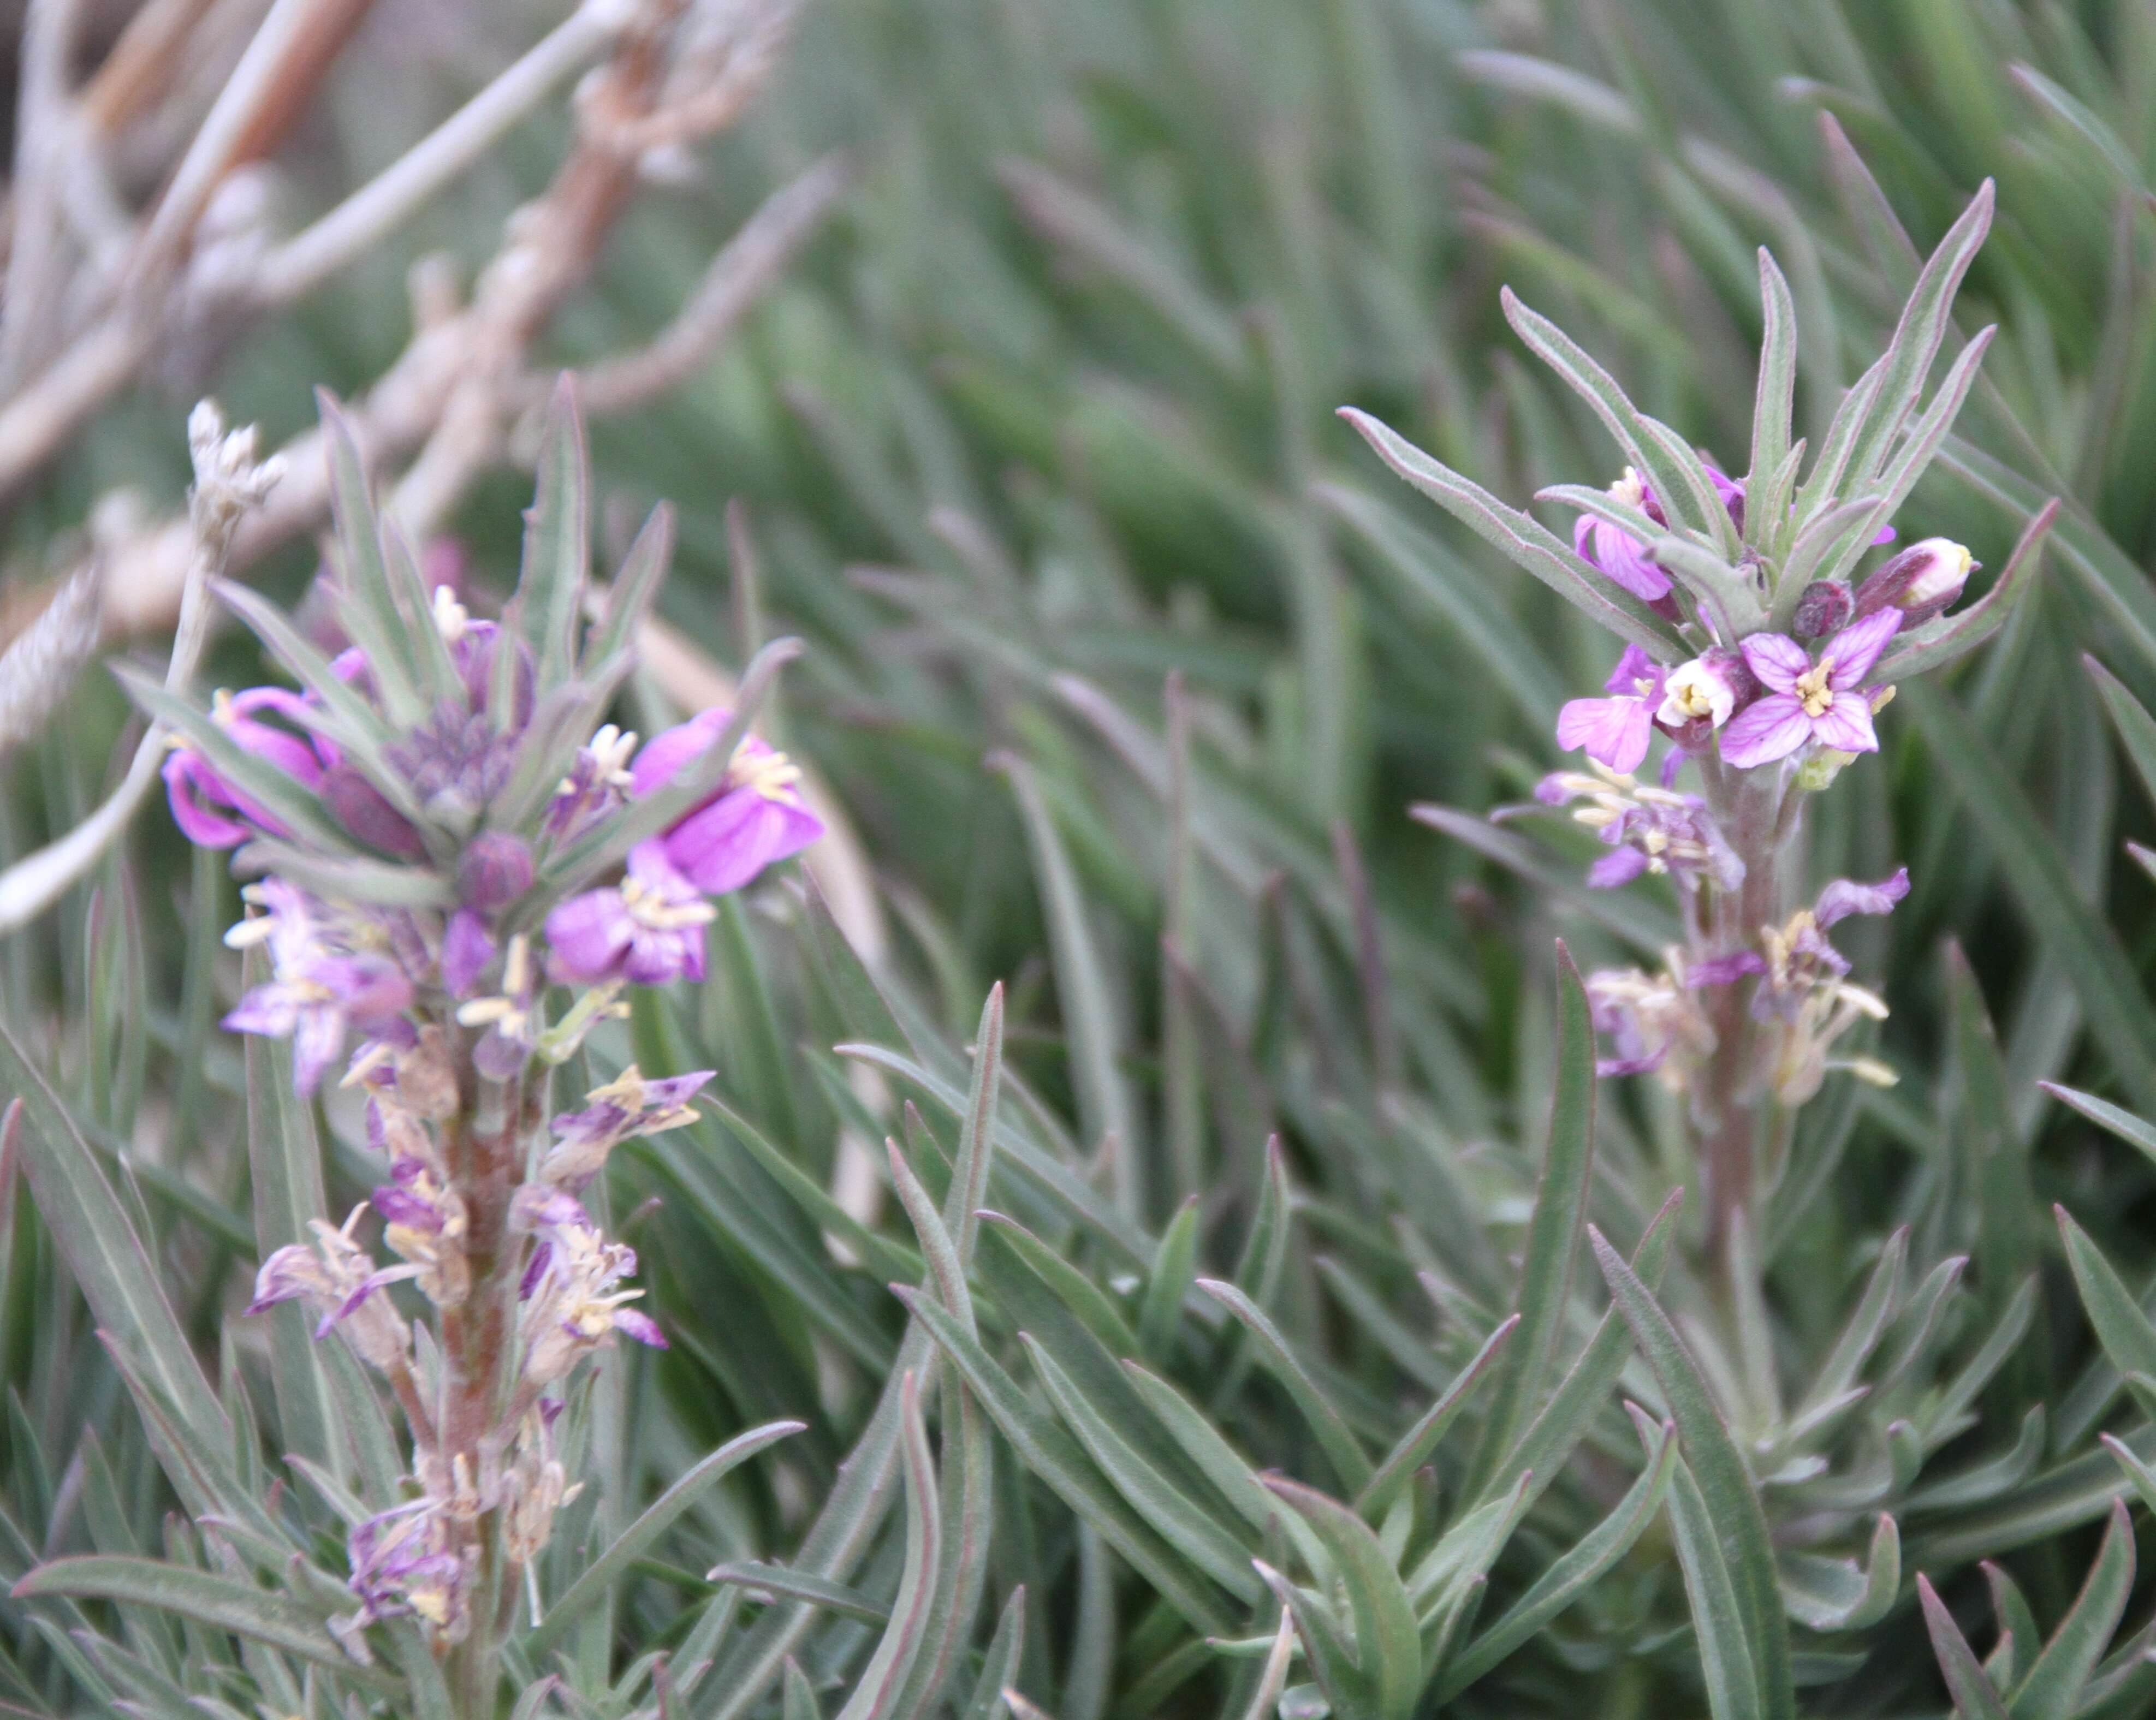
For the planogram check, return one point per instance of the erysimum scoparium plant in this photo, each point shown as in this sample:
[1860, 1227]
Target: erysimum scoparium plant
[457, 870]
[1758, 652]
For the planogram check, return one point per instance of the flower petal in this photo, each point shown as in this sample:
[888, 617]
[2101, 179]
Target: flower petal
[1633, 667]
[1624, 559]
[1770, 728]
[1614, 732]
[589, 935]
[1724, 970]
[1857, 647]
[1844, 897]
[1614, 869]
[640, 1327]
[1777, 659]
[1847, 724]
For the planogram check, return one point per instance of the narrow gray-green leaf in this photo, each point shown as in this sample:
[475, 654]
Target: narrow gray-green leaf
[217, 1601]
[654, 1521]
[1973, 1697]
[1349, 1461]
[1737, 1514]
[1530, 545]
[1553, 1232]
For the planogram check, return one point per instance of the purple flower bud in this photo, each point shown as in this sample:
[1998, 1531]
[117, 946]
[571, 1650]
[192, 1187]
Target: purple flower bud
[496, 869]
[466, 949]
[1921, 582]
[361, 808]
[1822, 608]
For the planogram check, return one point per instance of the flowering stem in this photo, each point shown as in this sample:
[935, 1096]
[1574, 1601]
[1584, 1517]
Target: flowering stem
[482, 1149]
[1759, 813]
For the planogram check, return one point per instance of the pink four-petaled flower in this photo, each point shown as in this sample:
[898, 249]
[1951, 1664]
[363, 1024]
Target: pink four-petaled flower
[1807, 701]
[1615, 731]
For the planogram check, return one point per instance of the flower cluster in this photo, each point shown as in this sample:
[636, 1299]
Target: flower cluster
[1764, 716]
[457, 868]
[1780, 690]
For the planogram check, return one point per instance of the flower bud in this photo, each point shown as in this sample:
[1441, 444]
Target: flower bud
[1822, 607]
[1921, 582]
[496, 869]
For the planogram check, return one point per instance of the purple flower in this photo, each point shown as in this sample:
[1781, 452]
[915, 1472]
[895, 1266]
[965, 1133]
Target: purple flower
[213, 813]
[627, 1106]
[598, 781]
[338, 1278]
[402, 1563]
[511, 1020]
[1615, 731]
[571, 1302]
[755, 821]
[317, 992]
[650, 929]
[1699, 697]
[365, 810]
[1621, 555]
[1650, 830]
[423, 1216]
[1823, 606]
[1626, 560]
[1807, 701]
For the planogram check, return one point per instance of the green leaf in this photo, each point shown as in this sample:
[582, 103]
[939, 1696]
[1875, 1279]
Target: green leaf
[798, 1699]
[1531, 545]
[876, 1694]
[1388, 1644]
[1774, 403]
[1056, 1458]
[629, 600]
[1415, 1446]
[2128, 1337]
[1553, 1232]
[1736, 1515]
[1717, 1613]
[1903, 368]
[1152, 1492]
[367, 603]
[1973, 1697]
[1460, 597]
[1569, 1575]
[594, 1580]
[1000, 1665]
[217, 1602]
[2053, 1688]
[1548, 1445]
[1091, 1021]
[2119, 1012]
[1660, 455]
[103, 1250]
[1341, 1446]
[1079, 1295]
[798, 1585]
[1174, 1271]
[1834, 1594]
[558, 538]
